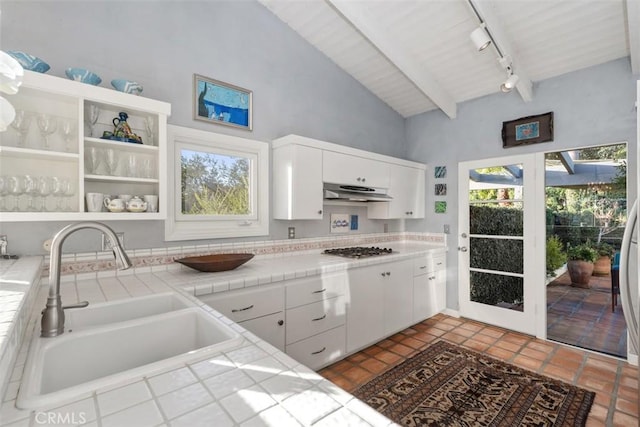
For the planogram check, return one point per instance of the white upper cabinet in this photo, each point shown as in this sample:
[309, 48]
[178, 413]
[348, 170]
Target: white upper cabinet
[56, 155]
[297, 182]
[301, 165]
[406, 187]
[339, 168]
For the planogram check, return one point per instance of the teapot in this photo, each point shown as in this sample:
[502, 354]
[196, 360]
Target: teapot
[121, 128]
[114, 205]
[136, 205]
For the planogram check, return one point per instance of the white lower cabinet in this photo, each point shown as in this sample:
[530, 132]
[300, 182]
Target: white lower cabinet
[429, 286]
[260, 311]
[319, 350]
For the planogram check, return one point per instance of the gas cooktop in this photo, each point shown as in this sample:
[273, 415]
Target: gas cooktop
[358, 252]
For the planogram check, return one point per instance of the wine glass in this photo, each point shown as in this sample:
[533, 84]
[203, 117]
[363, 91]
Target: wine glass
[59, 190]
[69, 192]
[67, 128]
[132, 166]
[47, 126]
[92, 117]
[111, 160]
[16, 189]
[21, 124]
[92, 159]
[4, 192]
[31, 190]
[45, 188]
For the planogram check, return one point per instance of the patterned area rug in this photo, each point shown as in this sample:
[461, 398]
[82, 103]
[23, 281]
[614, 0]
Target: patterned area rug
[446, 385]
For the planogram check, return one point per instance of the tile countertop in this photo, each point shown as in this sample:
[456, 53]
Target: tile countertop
[254, 384]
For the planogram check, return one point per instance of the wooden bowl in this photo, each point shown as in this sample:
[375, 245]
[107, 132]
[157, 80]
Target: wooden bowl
[217, 262]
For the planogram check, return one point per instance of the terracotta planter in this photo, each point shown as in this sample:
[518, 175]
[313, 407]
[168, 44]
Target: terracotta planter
[602, 266]
[580, 273]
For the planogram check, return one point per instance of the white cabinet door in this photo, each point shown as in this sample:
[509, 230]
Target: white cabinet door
[297, 182]
[429, 287]
[398, 295]
[365, 307]
[270, 328]
[406, 187]
[341, 168]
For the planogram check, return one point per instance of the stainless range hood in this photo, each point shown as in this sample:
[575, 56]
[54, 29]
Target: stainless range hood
[354, 193]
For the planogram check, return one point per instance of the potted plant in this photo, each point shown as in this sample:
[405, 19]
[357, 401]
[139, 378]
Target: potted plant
[580, 264]
[556, 257]
[602, 266]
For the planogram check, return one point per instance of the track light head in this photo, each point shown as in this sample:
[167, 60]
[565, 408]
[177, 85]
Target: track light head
[510, 83]
[480, 38]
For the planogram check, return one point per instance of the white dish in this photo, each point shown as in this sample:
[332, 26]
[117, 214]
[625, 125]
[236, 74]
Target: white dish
[137, 210]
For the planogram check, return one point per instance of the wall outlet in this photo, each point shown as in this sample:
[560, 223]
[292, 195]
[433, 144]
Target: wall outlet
[291, 232]
[447, 229]
[106, 243]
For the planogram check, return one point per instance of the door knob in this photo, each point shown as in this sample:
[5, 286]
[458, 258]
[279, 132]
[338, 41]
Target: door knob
[462, 248]
[464, 235]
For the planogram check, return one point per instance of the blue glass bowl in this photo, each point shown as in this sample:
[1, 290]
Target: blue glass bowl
[29, 62]
[127, 86]
[83, 75]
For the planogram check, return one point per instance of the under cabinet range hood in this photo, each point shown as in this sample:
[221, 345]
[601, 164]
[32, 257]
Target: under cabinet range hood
[355, 193]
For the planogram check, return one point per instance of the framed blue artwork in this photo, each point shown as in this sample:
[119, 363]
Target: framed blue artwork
[527, 130]
[440, 172]
[222, 103]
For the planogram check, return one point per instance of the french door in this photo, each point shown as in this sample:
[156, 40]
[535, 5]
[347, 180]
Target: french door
[497, 260]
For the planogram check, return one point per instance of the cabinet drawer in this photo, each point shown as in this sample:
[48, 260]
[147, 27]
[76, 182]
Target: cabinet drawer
[319, 350]
[311, 319]
[428, 264]
[247, 304]
[312, 289]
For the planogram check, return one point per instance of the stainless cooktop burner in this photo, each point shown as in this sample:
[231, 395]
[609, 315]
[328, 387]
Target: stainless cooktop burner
[358, 252]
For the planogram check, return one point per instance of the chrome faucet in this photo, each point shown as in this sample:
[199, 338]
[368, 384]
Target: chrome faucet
[53, 314]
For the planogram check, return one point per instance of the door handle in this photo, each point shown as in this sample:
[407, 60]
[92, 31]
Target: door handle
[462, 248]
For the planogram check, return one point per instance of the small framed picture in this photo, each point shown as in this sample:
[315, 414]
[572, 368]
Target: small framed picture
[527, 130]
[441, 189]
[441, 207]
[222, 103]
[440, 172]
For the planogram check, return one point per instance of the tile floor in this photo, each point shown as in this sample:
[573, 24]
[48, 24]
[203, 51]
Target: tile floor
[614, 381]
[583, 317]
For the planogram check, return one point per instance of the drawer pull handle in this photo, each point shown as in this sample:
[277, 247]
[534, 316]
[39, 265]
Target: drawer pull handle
[439, 263]
[235, 310]
[320, 291]
[423, 267]
[280, 322]
[319, 351]
[319, 318]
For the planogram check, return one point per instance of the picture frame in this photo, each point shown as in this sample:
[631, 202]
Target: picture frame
[527, 130]
[440, 207]
[440, 172]
[222, 103]
[440, 190]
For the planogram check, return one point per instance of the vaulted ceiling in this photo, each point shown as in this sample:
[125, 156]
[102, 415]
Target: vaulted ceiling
[416, 55]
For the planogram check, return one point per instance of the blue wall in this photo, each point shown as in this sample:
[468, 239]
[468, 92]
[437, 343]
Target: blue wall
[593, 106]
[161, 44]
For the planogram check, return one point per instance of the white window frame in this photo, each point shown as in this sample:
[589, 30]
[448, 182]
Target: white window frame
[196, 227]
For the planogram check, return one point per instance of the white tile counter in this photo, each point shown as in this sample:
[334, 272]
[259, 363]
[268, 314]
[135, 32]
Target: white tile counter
[251, 385]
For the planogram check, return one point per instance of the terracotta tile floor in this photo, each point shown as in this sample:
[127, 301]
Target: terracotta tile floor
[583, 317]
[614, 381]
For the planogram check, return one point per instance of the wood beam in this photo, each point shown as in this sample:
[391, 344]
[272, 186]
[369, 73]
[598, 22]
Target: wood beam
[567, 162]
[514, 170]
[356, 14]
[499, 35]
[633, 29]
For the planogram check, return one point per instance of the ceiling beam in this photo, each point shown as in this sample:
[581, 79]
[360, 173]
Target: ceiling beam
[356, 14]
[567, 162]
[514, 170]
[504, 45]
[633, 27]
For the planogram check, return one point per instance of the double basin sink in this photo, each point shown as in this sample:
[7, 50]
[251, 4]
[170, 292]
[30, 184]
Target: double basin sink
[108, 343]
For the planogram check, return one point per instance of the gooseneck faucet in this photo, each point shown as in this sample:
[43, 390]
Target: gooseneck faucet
[52, 323]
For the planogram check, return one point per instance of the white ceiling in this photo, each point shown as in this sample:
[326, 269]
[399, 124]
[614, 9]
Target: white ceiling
[416, 55]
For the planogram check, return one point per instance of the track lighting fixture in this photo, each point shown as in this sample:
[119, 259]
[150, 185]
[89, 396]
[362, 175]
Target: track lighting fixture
[480, 38]
[510, 83]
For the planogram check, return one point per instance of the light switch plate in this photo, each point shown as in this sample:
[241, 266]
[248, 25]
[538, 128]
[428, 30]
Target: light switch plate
[340, 223]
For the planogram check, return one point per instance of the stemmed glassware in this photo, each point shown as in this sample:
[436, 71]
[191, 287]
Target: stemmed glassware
[149, 126]
[31, 190]
[21, 124]
[69, 192]
[45, 188]
[111, 160]
[47, 125]
[92, 159]
[59, 190]
[67, 127]
[16, 189]
[92, 117]
[4, 192]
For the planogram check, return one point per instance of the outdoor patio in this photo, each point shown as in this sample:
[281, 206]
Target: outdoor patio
[583, 317]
